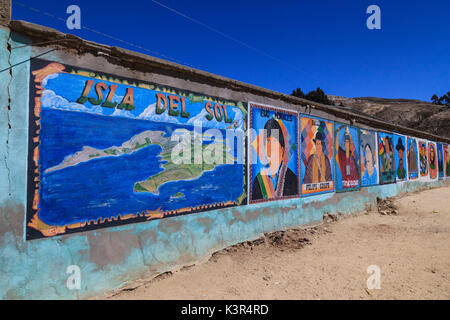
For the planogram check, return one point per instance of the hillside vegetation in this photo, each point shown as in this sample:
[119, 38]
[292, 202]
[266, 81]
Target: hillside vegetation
[416, 114]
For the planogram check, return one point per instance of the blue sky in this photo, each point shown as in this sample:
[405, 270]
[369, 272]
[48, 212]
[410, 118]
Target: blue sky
[316, 43]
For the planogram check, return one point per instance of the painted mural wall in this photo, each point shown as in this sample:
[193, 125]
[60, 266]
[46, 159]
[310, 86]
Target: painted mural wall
[95, 166]
[105, 151]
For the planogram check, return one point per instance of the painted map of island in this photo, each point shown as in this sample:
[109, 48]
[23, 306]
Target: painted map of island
[101, 151]
[172, 171]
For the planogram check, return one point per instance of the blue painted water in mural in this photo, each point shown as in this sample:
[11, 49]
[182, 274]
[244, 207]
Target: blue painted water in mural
[103, 187]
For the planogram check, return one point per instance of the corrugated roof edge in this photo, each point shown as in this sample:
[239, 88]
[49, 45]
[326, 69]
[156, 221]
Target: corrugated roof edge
[143, 62]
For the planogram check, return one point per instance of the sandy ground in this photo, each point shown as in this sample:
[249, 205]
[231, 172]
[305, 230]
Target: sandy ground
[330, 261]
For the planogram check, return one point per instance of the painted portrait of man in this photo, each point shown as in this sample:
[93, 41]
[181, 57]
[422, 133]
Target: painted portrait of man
[423, 159]
[440, 159]
[412, 158]
[318, 167]
[433, 166]
[316, 140]
[275, 170]
[347, 157]
[399, 157]
[386, 156]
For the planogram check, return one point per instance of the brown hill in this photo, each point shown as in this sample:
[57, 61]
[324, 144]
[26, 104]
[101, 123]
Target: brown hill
[416, 114]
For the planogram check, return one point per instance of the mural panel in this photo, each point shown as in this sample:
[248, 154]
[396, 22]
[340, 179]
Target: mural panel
[107, 151]
[369, 158]
[386, 157]
[432, 160]
[423, 159]
[446, 160]
[317, 164]
[274, 154]
[440, 158]
[346, 151]
[399, 157]
[412, 159]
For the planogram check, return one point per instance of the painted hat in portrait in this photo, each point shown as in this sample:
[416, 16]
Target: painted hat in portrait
[400, 145]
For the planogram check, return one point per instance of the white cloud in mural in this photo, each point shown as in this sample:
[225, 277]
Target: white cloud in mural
[238, 118]
[49, 77]
[150, 114]
[120, 112]
[123, 113]
[201, 117]
[95, 109]
[50, 99]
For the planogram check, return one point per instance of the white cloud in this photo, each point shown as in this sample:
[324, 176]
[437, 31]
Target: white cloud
[122, 113]
[201, 117]
[239, 118]
[50, 99]
[150, 114]
[49, 77]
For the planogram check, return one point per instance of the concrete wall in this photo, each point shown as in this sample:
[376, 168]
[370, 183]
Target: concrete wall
[110, 257]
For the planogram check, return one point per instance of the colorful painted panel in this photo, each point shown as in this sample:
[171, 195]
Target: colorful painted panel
[440, 158]
[446, 160]
[423, 159]
[412, 159]
[106, 151]
[316, 156]
[369, 158]
[386, 157]
[399, 155]
[432, 160]
[346, 152]
[273, 154]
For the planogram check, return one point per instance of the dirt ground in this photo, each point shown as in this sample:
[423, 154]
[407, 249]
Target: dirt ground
[409, 241]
